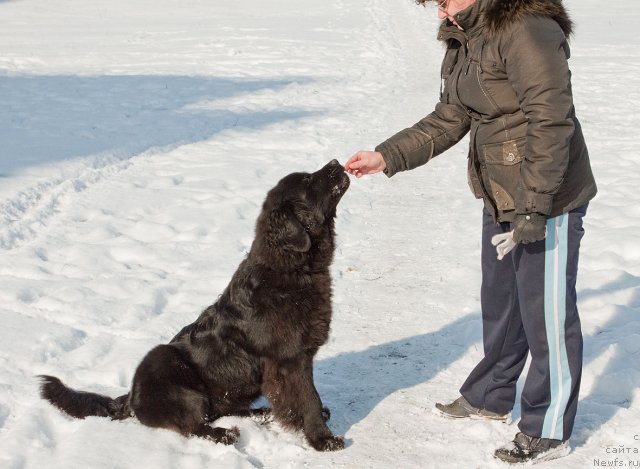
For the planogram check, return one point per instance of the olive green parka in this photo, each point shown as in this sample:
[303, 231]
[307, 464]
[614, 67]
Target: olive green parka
[506, 82]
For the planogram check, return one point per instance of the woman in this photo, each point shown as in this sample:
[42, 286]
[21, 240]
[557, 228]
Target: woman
[506, 82]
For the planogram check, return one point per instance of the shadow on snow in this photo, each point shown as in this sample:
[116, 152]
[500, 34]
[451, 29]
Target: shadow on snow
[618, 337]
[367, 377]
[44, 119]
[354, 383]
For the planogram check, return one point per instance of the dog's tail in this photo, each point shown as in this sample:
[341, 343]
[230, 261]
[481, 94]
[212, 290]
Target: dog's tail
[80, 404]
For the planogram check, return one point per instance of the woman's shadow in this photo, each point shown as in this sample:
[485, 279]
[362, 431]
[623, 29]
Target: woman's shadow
[352, 384]
[617, 343]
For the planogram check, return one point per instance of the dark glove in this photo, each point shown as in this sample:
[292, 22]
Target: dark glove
[529, 227]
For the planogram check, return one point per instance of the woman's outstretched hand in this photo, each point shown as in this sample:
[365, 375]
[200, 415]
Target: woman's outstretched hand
[365, 162]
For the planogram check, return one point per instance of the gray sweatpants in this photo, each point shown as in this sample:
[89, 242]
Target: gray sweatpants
[528, 302]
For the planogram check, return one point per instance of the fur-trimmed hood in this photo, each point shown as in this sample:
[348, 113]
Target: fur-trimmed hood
[498, 14]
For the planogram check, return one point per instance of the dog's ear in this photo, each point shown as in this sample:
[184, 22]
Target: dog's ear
[287, 232]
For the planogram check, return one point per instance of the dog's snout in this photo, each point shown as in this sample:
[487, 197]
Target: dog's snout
[334, 167]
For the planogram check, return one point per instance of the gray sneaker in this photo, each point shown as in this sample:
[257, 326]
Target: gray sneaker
[460, 409]
[528, 449]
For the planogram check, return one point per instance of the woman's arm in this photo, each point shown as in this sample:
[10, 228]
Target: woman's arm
[434, 134]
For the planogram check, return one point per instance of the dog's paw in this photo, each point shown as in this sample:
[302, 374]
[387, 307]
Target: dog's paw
[328, 443]
[226, 436]
[262, 415]
[230, 435]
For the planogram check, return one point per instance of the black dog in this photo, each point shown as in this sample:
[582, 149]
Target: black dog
[259, 338]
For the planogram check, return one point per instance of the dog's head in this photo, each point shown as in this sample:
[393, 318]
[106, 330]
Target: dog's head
[299, 211]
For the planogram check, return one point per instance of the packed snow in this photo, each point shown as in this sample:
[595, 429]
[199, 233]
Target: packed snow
[138, 139]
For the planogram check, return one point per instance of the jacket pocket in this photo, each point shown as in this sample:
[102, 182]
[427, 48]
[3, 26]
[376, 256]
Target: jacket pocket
[502, 167]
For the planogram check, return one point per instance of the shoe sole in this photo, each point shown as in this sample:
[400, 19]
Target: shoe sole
[558, 452]
[505, 419]
[442, 413]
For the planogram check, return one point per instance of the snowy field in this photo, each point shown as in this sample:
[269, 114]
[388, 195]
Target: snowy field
[137, 141]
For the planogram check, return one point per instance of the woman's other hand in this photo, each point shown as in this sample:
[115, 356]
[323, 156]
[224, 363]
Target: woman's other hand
[365, 162]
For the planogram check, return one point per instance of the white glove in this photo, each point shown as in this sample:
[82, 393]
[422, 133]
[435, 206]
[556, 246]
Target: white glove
[504, 243]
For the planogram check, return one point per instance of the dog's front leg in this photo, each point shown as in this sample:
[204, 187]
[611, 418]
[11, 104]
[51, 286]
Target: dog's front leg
[296, 403]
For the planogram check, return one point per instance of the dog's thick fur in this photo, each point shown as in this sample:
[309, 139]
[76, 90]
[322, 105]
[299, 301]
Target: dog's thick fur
[259, 338]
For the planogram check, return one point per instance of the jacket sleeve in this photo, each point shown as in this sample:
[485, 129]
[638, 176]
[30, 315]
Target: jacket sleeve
[434, 134]
[535, 52]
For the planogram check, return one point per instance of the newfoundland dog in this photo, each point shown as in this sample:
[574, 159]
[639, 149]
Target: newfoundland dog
[259, 338]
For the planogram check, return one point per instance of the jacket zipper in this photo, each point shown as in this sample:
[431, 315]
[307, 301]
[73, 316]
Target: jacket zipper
[495, 106]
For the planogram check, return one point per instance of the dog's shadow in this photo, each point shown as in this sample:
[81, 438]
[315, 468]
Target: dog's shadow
[352, 384]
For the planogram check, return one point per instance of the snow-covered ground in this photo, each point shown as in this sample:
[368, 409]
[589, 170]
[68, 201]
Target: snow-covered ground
[137, 141]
